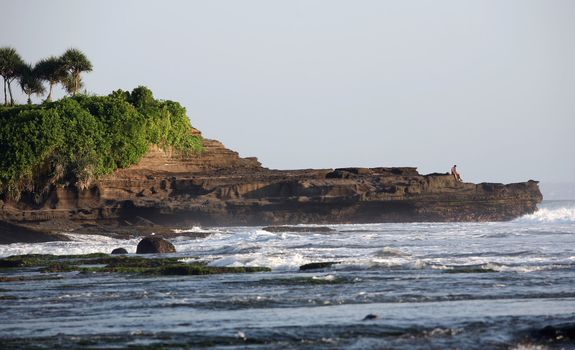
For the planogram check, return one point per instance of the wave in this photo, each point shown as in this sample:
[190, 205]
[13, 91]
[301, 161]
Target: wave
[389, 252]
[550, 215]
[79, 244]
[196, 229]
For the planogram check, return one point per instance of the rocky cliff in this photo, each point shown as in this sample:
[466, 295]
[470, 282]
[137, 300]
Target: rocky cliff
[220, 188]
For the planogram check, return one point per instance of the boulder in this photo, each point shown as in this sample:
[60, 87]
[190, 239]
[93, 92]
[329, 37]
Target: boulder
[119, 251]
[154, 245]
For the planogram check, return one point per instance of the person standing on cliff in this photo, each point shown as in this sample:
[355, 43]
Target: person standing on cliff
[455, 173]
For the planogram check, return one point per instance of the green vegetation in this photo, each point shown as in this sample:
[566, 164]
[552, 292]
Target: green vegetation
[10, 67]
[51, 70]
[38, 260]
[103, 263]
[77, 139]
[30, 83]
[65, 70]
[74, 62]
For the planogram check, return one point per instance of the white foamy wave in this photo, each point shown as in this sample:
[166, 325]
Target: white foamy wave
[276, 263]
[378, 263]
[529, 346]
[324, 278]
[79, 244]
[388, 252]
[196, 229]
[545, 215]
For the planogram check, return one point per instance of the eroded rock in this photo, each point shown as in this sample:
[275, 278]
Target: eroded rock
[217, 187]
[155, 245]
[12, 233]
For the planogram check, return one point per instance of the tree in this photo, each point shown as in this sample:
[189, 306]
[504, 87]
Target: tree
[75, 62]
[71, 85]
[29, 82]
[10, 65]
[53, 71]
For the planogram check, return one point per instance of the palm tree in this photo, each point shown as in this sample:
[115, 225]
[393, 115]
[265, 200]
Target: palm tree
[10, 64]
[29, 82]
[75, 62]
[71, 85]
[52, 70]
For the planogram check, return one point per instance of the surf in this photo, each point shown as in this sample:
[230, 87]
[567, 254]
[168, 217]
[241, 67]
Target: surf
[556, 213]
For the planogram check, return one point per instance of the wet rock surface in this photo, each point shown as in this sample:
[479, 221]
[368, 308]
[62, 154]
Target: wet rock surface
[556, 333]
[318, 265]
[155, 245]
[97, 263]
[10, 233]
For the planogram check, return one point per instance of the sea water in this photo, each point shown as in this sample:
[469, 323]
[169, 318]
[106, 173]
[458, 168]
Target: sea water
[426, 285]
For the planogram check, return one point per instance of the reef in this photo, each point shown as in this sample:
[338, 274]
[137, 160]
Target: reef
[104, 263]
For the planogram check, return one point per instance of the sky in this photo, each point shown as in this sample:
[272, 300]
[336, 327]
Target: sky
[488, 85]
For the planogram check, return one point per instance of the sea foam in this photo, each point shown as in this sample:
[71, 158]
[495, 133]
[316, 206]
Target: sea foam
[550, 215]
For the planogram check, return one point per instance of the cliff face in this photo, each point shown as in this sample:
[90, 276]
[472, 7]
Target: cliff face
[220, 188]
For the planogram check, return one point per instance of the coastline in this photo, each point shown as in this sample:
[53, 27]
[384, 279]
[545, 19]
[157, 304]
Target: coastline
[167, 191]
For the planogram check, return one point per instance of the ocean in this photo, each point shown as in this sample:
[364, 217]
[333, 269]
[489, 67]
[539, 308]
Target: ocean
[508, 285]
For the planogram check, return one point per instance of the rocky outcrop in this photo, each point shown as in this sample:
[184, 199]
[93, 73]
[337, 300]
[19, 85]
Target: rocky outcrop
[220, 188]
[11, 233]
[155, 245]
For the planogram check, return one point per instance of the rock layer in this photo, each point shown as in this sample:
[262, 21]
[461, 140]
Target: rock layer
[220, 188]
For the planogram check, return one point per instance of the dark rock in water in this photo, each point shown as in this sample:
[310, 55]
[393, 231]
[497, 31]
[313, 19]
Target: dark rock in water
[370, 317]
[10, 263]
[563, 332]
[119, 251]
[318, 265]
[154, 245]
[13, 233]
[276, 229]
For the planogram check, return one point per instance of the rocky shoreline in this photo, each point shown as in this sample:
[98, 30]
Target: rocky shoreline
[218, 188]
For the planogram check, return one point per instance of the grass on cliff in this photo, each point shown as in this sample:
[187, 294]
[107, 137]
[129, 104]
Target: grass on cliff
[76, 140]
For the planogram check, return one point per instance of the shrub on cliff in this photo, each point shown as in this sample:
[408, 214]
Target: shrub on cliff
[78, 139]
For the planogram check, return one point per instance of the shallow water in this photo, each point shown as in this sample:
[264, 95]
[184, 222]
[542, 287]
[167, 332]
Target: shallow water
[431, 285]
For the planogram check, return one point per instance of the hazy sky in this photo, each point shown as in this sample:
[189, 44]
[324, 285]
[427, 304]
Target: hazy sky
[489, 85]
